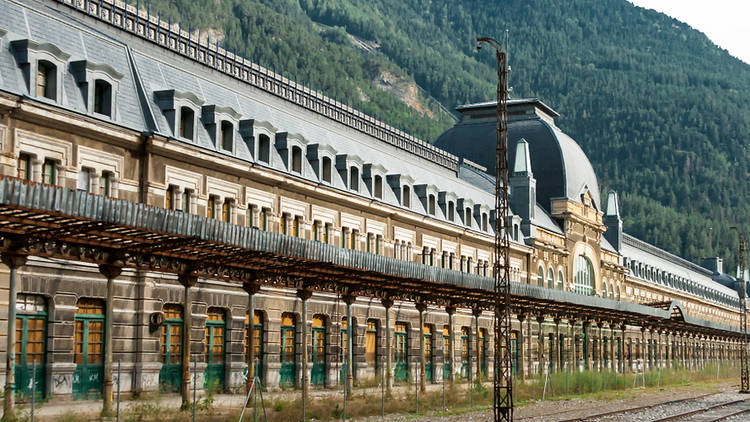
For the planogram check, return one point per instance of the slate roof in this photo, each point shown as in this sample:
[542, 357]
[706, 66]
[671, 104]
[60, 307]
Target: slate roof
[560, 166]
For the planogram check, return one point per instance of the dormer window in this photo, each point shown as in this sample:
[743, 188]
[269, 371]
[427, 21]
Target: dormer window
[405, 196]
[180, 108]
[264, 149]
[220, 123]
[326, 170]
[42, 65]
[515, 232]
[467, 216]
[378, 187]
[187, 120]
[297, 159]
[484, 222]
[354, 179]
[46, 80]
[227, 136]
[98, 83]
[451, 211]
[431, 204]
[103, 97]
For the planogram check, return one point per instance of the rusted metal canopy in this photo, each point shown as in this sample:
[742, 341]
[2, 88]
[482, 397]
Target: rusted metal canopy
[64, 223]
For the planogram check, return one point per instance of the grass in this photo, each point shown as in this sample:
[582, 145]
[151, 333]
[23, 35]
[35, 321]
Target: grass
[605, 385]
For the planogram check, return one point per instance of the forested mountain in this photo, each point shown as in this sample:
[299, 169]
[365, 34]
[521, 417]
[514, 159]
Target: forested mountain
[662, 112]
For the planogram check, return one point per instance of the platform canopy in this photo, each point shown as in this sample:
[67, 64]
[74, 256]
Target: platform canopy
[56, 222]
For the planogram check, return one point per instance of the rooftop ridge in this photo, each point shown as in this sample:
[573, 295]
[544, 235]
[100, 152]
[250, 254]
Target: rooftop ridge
[661, 253]
[130, 19]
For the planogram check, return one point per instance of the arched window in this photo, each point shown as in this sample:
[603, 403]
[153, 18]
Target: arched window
[326, 170]
[604, 289]
[618, 292]
[405, 196]
[187, 117]
[297, 159]
[611, 290]
[46, 80]
[540, 277]
[550, 278]
[378, 188]
[560, 280]
[264, 149]
[431, 204]
[103, 97]
[584, 276]
[354, 179]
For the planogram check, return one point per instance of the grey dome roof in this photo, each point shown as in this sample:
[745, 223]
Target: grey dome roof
[560, 166]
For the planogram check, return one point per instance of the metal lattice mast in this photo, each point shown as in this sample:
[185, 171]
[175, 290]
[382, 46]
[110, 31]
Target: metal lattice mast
[741, 291]
[503, 373]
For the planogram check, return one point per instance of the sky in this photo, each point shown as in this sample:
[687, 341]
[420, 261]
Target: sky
[725, 22]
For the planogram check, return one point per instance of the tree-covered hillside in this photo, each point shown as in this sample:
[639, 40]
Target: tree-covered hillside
[663, 113]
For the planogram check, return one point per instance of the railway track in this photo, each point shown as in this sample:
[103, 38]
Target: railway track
[715, 413]
[616, 412]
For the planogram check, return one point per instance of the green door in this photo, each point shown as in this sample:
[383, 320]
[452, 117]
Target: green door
[30, 339]
[465, 353]
[287, 371]
[318, 371]
[88, 376]
[215, 329]
[446, 354]
[170, 375]
[427, 333]
[402, 343]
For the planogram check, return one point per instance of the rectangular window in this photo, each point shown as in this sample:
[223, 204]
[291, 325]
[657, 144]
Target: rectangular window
[226, 210]
[169, 198]
[211, 207]
[49, 175]
[24, 167]
[250, 215]
[325, 233]
[186, 201]
[264, 219]
[315, 230]
[371, 337]
[107, 184]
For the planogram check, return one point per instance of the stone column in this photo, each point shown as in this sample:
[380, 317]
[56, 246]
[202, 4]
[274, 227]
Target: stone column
[387, 303]
[421, 307]
[187, 281]
[520, 348]
[251, 289]
[13, 261]
[476, 312]
[110, 272]
[540, 348]
[304, 295]
[36, 170]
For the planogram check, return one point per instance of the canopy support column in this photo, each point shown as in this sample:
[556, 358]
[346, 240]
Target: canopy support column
[187, 281]
[110, 272]
[13, 261]
[387, 303]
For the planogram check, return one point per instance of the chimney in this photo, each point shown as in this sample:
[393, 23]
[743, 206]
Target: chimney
[613, 221]
[714, 264]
